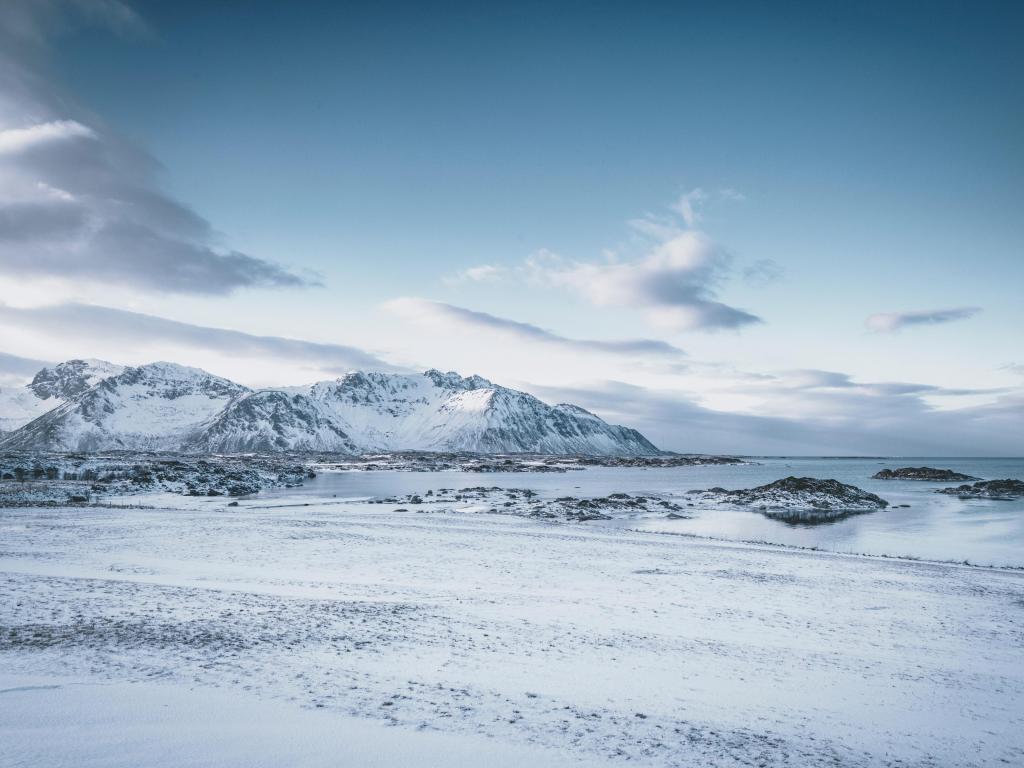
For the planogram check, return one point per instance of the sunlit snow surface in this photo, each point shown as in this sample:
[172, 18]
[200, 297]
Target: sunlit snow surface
[297, 611]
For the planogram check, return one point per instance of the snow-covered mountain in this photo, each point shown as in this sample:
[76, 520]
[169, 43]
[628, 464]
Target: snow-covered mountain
[51, 387]
[163, 406]
[152, 407]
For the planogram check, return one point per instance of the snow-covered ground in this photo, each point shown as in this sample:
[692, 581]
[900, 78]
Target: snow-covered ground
[486, 635]
[82, 722]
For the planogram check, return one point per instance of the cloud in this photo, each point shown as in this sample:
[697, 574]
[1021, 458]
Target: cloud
[889, 322]
[483, 273]
[763, 272]
[80, 203]
[853, 423]
[15, 370]
[1017, 368]
[688, 206]
[810, 379]
[17, 140]
[675, 281]
[729, 193]
[87, 321]
[675, 284]
[36, 21]
[459, 317]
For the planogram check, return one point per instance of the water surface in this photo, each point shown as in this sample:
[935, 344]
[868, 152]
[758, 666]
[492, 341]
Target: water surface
[935, 526]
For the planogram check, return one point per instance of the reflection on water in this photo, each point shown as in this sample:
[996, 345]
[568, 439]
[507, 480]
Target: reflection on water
[919, 524]
[811, 517]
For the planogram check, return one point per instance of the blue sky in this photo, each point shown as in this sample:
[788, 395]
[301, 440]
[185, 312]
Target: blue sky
[603, 172]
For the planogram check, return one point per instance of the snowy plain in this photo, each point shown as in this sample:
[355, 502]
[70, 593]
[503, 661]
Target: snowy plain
[490, 636]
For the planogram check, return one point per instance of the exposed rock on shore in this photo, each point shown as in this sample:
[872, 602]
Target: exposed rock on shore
[805, 499]
[923, 473]
[48, 480]
[522, 502]
[988, 489]
[429, 461]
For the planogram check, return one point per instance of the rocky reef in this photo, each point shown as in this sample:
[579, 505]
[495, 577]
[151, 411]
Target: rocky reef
[799, 499]
[523, 502]
[429, 461]
[1005, 490]
[923, 473]
[55, 479]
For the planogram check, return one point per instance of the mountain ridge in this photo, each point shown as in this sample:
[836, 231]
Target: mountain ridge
[166, 406]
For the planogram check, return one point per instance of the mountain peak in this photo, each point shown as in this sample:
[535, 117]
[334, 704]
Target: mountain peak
[71, 378]
[452, 380]
[175, 375]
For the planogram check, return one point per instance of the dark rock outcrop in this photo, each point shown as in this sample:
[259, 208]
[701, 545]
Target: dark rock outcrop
[523, 502]
[1006, 490]
[923, 473]
[806, 499]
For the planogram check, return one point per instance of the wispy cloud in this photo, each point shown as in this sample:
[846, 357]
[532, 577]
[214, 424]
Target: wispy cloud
[688, 206]
[763, 272]
[433, 311]
[888, 322]
[813, 379]
[484, 273]
[87, 321]
[78, 202]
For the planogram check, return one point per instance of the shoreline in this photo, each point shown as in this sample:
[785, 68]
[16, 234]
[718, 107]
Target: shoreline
[596, 525]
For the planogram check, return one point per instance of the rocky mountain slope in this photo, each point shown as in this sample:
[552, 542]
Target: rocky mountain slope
[152, 407]
[50, 388]
[164, 406]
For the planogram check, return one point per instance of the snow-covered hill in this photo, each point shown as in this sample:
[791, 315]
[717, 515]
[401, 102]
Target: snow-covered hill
[165, 406]
[51, 387]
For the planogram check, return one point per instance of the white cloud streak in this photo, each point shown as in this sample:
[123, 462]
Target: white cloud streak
[484, 273]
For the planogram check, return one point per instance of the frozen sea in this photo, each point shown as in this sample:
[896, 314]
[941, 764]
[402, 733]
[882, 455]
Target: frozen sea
[934, 526]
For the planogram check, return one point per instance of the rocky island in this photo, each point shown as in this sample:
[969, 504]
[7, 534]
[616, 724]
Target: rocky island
[803, 499]
[59, 479]
[988, 489]
[923, 473]
[523, 502]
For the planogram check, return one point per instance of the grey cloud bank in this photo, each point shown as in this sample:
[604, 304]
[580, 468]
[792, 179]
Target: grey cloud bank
[15, 369]
[78, 202]
[85, 321]
[867, 422]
